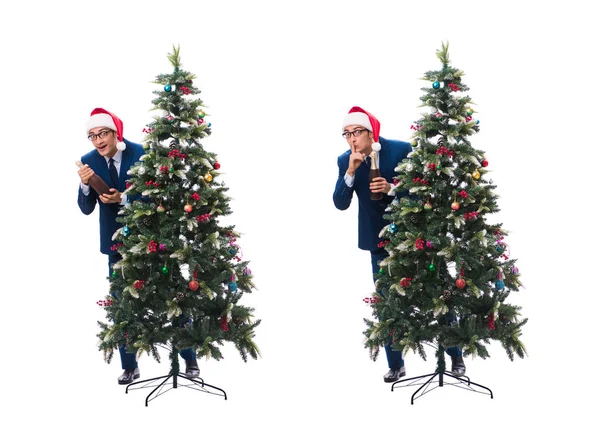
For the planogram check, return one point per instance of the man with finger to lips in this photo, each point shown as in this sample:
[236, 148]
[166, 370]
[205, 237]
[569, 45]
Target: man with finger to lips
[361, 131]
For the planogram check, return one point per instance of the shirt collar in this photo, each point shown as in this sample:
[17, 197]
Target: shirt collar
[117, 157]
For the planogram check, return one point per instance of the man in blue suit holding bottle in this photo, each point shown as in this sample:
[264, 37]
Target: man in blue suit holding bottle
[361, 131]
[110, 160]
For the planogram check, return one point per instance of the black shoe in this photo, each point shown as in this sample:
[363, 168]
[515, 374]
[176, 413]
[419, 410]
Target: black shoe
[394, 375]
[129, 375]
[191, 369]
[458, 366]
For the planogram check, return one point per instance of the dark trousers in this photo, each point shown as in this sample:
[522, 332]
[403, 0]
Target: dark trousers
[128, 360]
[394, 358]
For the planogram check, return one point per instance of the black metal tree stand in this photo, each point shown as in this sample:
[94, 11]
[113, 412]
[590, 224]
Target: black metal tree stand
[165, 386]
[430, 383]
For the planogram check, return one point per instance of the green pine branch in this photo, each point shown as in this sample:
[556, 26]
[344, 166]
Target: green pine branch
[174, 57]
[442, 54]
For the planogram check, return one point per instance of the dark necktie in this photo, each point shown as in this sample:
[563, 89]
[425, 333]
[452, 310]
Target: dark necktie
[368, 161]
[112, 170]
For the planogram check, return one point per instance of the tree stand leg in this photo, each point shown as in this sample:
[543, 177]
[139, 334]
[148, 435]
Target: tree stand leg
[430, 384]
[162, 387]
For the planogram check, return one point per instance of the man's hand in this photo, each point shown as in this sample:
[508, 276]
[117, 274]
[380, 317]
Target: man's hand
[356, 158]
[114, 197]
[85, 173]
[380, 185]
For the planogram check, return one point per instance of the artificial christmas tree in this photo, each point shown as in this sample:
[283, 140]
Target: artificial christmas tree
[182, 274]
[445, 260]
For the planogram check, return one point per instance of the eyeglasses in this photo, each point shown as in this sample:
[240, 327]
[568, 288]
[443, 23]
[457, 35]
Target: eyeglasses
[355, 133]
[92, 137]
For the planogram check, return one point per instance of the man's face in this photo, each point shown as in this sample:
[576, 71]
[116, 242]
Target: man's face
[361, 142]
[105, 140]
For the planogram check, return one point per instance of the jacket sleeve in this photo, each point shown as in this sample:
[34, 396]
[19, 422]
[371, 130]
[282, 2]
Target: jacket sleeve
[342, 196]
[87, 203]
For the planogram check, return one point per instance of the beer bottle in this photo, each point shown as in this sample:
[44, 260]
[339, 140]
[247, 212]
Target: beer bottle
[374, 173]
[96, 182]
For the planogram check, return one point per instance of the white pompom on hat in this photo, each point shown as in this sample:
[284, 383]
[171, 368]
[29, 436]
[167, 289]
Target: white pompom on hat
[103, 118]
[360, 117]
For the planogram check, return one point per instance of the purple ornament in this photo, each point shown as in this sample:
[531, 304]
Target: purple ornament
[515, 270]
[429, 244]
[247, 271]
[162, 247]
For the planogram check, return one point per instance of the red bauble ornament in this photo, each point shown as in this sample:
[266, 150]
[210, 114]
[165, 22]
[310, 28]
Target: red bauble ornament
[216, 165]
[484, 163]
[188, 208]
[193, 285]
[460, 283]
[455, 205]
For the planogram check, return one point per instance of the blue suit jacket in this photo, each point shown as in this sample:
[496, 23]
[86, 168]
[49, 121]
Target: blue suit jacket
[108, 212]
[370, 213]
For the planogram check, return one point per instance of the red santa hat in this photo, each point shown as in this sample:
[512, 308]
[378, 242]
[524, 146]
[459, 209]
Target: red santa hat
[360, 117]
[103, 118]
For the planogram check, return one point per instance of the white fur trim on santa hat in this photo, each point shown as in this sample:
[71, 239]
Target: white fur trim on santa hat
[376, 146]
[358, 119]
[100, 120]
[121, 146]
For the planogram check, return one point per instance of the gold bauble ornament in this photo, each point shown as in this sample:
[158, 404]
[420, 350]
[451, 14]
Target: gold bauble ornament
[208, 177]
[475, 175]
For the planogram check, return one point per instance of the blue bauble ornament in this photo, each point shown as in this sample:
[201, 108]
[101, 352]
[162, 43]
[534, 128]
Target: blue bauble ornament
[436, 85]
[168, 88]
[499, 249]
[232, 251]
[209, 124]
[477, 122]
[232, 286]
[125, 230]
[393, 228]
[499, 284]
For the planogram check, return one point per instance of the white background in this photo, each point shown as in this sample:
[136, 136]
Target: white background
[278, 78]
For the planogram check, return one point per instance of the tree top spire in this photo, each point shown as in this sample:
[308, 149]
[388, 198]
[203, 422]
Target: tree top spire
[174, 57]
[442, 54]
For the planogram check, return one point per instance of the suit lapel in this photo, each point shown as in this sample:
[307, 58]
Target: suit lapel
[125, 166]
[384, 162]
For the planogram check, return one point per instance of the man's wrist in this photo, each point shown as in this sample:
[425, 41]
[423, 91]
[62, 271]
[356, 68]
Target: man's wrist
[351, 172]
